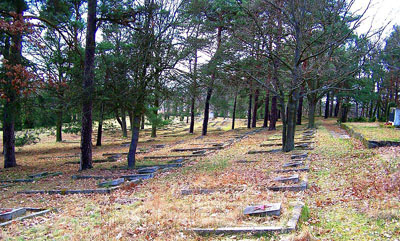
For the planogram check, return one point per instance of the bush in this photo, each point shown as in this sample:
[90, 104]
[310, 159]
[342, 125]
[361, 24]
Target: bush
[27, 137]
[72, 128]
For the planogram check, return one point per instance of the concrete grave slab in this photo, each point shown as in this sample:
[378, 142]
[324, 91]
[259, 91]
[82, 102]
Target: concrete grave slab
[294, 188]
[90, 177]
[35, 212]
[138, 176]
[112, 183]
[7, 214]
[305, 169]
[197, 191]
[147, 170]
[270, 209]
[299, 156]
[293, 164]
[292, 178]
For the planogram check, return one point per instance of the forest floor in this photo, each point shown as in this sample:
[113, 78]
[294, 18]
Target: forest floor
[353, 192]
[375, 131]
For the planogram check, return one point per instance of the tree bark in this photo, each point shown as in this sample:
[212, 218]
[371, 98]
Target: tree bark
[59, 123]
[337, 106]
[134, 141]
[124, 128]
[300, 110]
[100, 127]
[207, 110]
[142, 122]
[311, 114]
[331, 107]
[327, 106]
[191, 128]
[153, 125]
[210, 87]
[274, 113]
[88, 76]
[249, 110]
[9, 134]
[254, 122]
[234, 111]
[266, 110]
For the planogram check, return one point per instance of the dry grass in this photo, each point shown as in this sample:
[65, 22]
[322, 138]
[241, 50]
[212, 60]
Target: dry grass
[374, 131]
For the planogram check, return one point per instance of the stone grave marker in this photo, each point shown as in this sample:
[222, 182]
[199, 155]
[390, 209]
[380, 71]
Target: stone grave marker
[292, 178]
[304, 169]
[295, 188]
[37, 175]
[138, 176]
[112, 183]
[293, 164]
[7, 214]
[299, 156]
[270, 209]
[147, 170]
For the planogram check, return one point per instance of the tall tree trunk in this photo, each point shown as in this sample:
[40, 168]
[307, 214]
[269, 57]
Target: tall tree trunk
[134, 141]
[234, 111]
[153, 125]
[9, 134]
[266, 110]
[331, 107]
[288, 145]
[191, 128]
[142, 122]
[327, 106]
[311, 114]
[210, 87]
[249, 110]
[254, 122]
[337, 106]
[274, 113]
[88, 76]
[320, 107]
[300, 109]
[100, 127]
[124, 127]
[59, 123]
[206, 111]
[13, 53]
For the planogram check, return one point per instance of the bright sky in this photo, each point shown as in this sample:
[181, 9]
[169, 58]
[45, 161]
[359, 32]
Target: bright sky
[380, 13]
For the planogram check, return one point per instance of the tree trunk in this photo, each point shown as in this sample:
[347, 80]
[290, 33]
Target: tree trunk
[154, 125]
[9, 134]
[311, 113]
[191, 128]
[210, 87]
[142, 122]
[331, 107]
[337, 106]
[88, 76]
[254, 122]
[124, 128]
[234, 111]
[274, 114]
[266, 110]
[300, 110]
[327, 106]
[100, 128]
[249, 111]
[207, 110]
[59, 123]
[134, 141]
[288, 145]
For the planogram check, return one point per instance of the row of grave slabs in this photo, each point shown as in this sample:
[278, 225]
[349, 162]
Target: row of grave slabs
[108, 183]
[289, 179]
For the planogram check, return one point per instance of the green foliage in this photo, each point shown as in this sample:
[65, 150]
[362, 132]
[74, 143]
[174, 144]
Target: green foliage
[27, 137]
[155, 119]
[72, 128]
